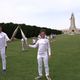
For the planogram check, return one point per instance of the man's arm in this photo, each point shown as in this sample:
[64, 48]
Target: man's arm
[49, 49]
[34, 46]
[6, 37]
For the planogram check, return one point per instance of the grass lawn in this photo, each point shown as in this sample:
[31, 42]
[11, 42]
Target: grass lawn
[64, 63]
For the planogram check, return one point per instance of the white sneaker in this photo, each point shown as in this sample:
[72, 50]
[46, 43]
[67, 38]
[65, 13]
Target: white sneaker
[38, 78]
[48, 78]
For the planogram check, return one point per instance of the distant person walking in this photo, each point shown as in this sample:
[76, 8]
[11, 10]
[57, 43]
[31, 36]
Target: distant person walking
[44, 52]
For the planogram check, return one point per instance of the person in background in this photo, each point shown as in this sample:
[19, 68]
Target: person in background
[23, 43]
[34, 40]
[44, 52]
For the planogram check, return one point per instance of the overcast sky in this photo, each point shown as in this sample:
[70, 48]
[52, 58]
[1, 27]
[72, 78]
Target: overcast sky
[54, 14]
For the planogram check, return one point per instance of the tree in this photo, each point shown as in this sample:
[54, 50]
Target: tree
[29, 31]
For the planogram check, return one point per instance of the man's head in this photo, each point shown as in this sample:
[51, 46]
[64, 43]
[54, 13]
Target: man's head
[43, 33]
[0, 28]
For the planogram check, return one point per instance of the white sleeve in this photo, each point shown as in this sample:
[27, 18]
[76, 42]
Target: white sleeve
[49, 49]
[35, 45]
[6, 37]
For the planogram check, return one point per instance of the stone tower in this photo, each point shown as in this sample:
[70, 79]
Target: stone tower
[72, 29]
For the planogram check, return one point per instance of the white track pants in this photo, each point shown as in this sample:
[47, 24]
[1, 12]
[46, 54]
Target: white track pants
[2, 52]
[43, 60]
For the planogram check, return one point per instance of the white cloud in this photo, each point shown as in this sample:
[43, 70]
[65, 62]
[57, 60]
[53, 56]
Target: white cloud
[40, 12]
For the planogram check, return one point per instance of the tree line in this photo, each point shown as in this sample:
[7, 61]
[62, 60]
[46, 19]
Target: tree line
[29, 31]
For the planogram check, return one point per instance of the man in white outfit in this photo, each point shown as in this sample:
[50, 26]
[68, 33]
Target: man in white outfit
[24, 43]
[3, 39]
[44, 52]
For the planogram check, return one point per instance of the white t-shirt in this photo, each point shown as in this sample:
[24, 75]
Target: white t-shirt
[43, 46]
[3, 39]
[24, 39]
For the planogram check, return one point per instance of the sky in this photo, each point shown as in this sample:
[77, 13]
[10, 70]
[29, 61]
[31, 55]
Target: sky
[54, 14]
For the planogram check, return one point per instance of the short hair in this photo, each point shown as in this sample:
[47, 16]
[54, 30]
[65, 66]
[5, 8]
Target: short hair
[42, 30]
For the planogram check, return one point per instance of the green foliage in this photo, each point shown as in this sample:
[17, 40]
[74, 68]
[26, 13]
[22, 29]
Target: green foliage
[29, 31]
[64, 62]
